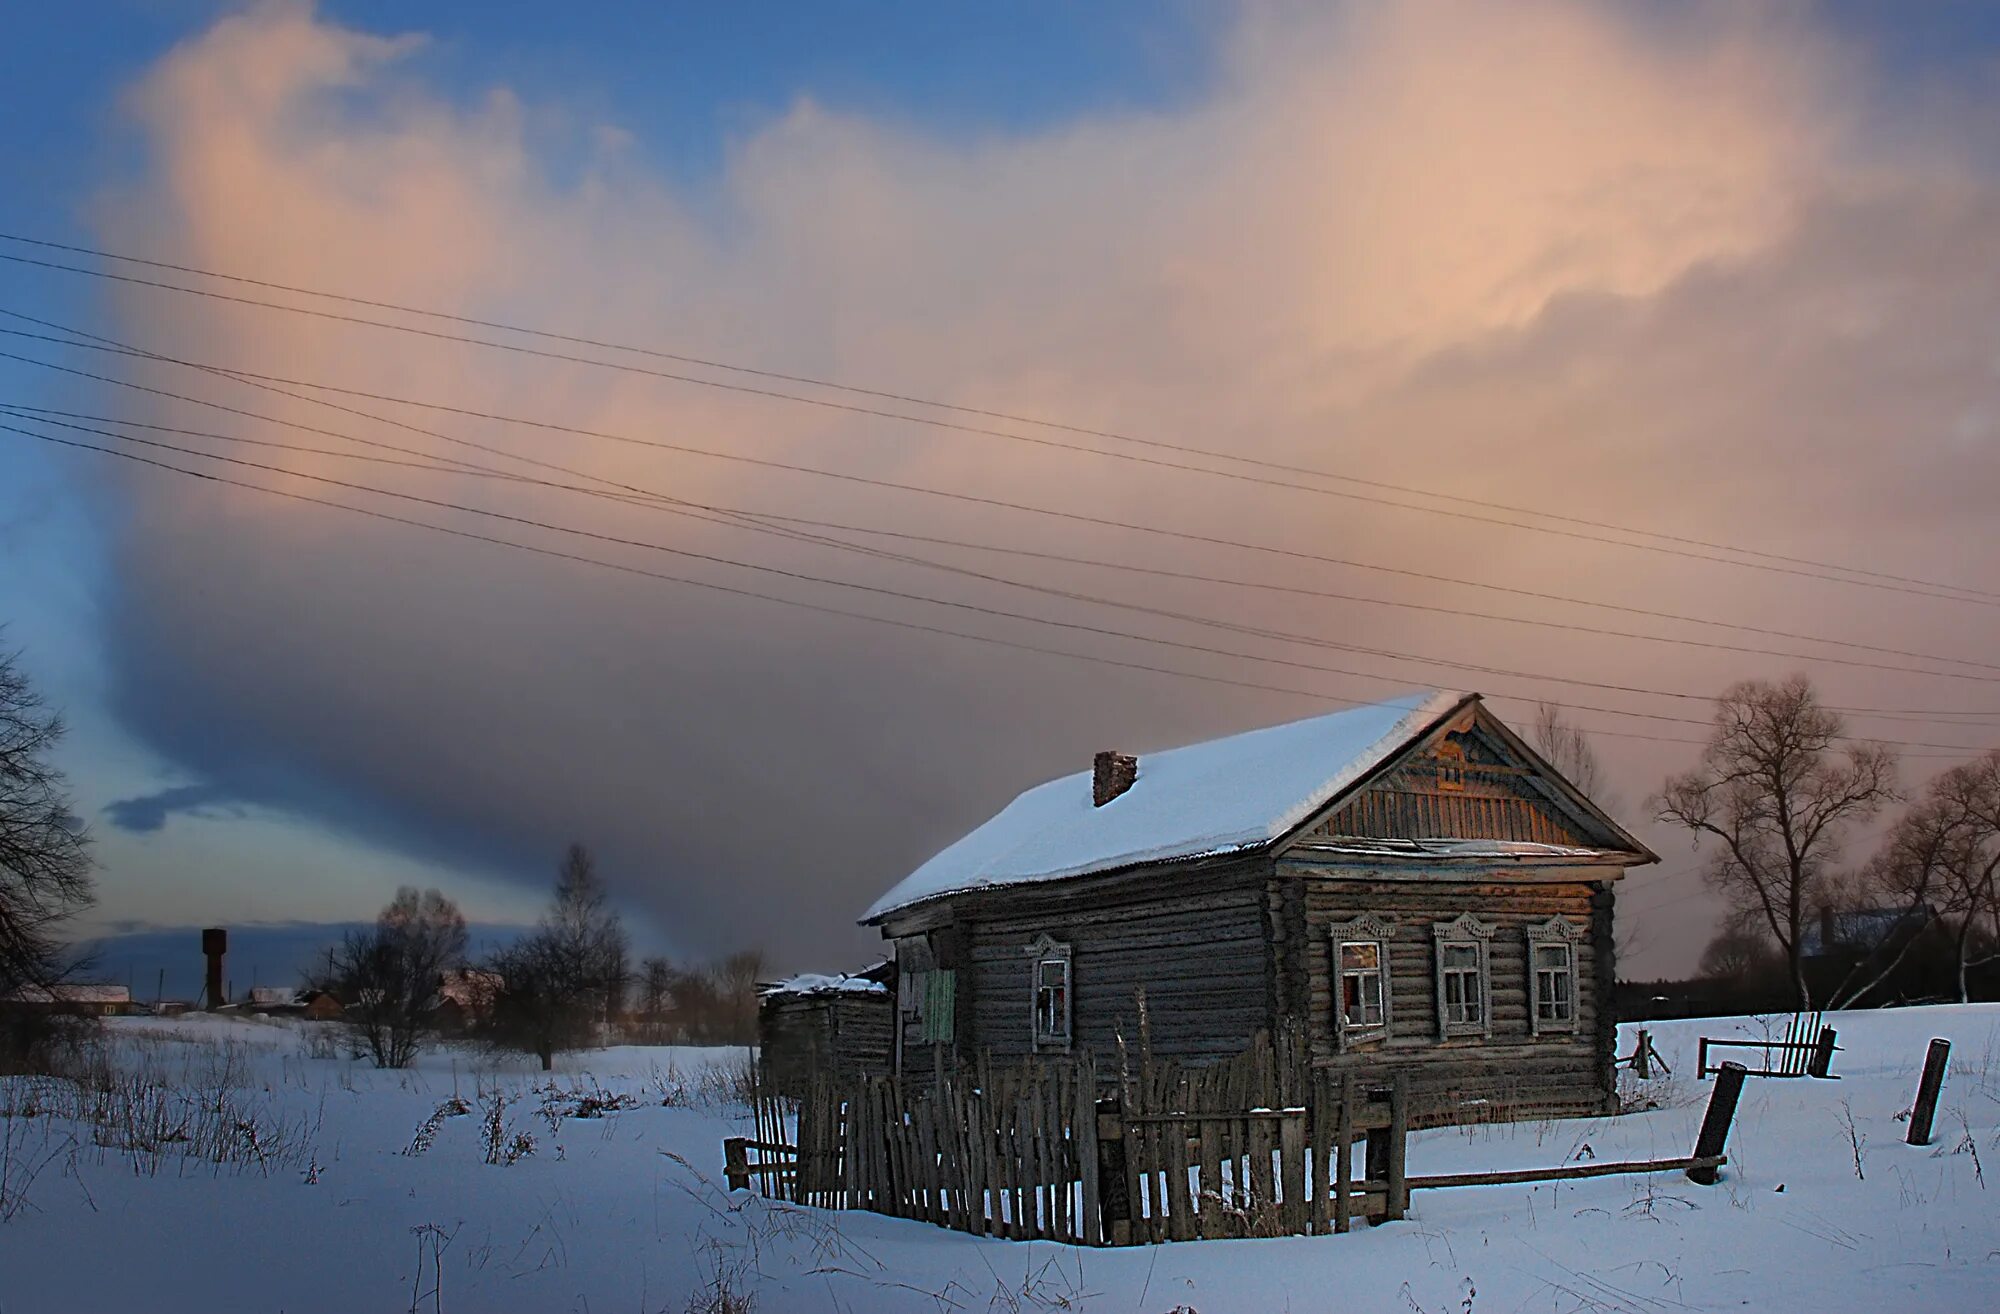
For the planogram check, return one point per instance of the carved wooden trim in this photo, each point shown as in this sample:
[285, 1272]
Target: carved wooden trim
[1465, 926]
[1368, 926]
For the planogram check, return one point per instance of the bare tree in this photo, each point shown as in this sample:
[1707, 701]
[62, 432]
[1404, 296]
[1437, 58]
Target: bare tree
[388, 976]
[736, 980]
[44, 852]
[1569, 750]
[1943, 855]
[656, 995]
[1774, 795]
[563, 981]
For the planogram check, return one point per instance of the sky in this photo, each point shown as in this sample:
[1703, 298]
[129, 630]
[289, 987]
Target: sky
[1723, 274]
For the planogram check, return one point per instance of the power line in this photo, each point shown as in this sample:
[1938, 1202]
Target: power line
[740, 519]
[261, 380]
[749, 593]
[916, 597]
[1795, 567]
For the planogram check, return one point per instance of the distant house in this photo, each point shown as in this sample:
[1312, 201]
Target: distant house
[74, 1000]
[841, 1024]
[464, 997]
[271, 999]
[1409, 883]
[1909, 949]
[319, 1006]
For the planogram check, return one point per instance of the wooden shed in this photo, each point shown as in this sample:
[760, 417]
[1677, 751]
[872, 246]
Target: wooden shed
[1407, 883]
[840, 1024]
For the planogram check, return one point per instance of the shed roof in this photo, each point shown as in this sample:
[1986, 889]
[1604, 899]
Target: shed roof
[1226, 795]
[821, 983]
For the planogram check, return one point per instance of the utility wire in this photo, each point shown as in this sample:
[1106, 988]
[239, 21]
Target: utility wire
[1796, 567]
[864, 480]
[741, 519]
[748, 593]
[804, 577]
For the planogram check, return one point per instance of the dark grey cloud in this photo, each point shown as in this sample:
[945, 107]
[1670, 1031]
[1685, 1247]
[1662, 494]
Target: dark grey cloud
[149, 812]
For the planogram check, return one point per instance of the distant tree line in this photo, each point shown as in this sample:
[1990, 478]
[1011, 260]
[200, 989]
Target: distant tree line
[567, 984]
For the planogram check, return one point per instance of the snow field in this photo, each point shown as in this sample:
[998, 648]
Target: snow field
[343, 1188]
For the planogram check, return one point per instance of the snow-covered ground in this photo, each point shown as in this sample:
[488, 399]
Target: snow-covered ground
[327, 1209]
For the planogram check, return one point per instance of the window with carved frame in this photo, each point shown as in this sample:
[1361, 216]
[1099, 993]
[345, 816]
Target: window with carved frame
[1552, 976]
[1362, 997]
[1049, 993]
[1464, 978]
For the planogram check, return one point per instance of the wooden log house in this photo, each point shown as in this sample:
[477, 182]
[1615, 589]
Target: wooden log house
[1408, 882]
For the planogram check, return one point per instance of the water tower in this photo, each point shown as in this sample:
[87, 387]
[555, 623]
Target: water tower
[214, 943]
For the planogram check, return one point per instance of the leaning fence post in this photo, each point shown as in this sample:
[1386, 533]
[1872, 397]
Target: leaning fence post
[1715, 1123]
[1927, 1092]
[1822, 1055]
[1641, 1056]
[736, 1163]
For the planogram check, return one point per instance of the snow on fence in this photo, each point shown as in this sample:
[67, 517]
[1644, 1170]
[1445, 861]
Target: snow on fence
[1261, 1145]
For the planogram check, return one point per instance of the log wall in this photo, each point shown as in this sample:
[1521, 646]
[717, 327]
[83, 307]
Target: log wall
[1511, 1072]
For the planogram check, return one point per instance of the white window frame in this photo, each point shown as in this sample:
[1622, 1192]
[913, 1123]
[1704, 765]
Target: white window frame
[1555, 933]
[1367, 929]
[1047, 950]
[1464, 932]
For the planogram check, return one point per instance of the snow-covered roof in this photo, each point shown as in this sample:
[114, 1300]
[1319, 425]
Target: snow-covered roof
[1226, 795]
[816, 983]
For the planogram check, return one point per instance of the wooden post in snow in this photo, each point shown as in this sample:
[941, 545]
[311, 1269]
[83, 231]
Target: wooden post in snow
[1399, 1140]
[1715, 1123]
[1925, 1110]
[1821, 1063]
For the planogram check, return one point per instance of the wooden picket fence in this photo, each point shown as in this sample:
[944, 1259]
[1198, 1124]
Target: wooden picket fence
[1261, 1145]
[1244, 1148]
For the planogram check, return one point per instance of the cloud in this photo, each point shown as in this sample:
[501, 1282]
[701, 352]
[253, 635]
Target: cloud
[1639, 266]
[149, 812]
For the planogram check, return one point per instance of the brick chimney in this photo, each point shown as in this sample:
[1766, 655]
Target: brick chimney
[1112, 776]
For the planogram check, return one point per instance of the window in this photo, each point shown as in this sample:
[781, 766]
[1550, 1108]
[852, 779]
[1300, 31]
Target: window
[1361, 983]
[1463, 990]
[1464, 1002]
[1450, 756]
[1552, 976]
[1049, 992]
[1555, 1000]
[1361, 979]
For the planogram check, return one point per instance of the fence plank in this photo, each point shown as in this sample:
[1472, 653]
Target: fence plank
[1180, 1210]
[1343, 1136]
[1321, 1104]
[1091, 1230]
[1059, 1127]
[1209, 1181]
[1292, 1172]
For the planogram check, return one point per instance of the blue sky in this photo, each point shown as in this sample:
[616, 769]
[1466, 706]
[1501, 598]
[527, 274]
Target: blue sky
[690, 85]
